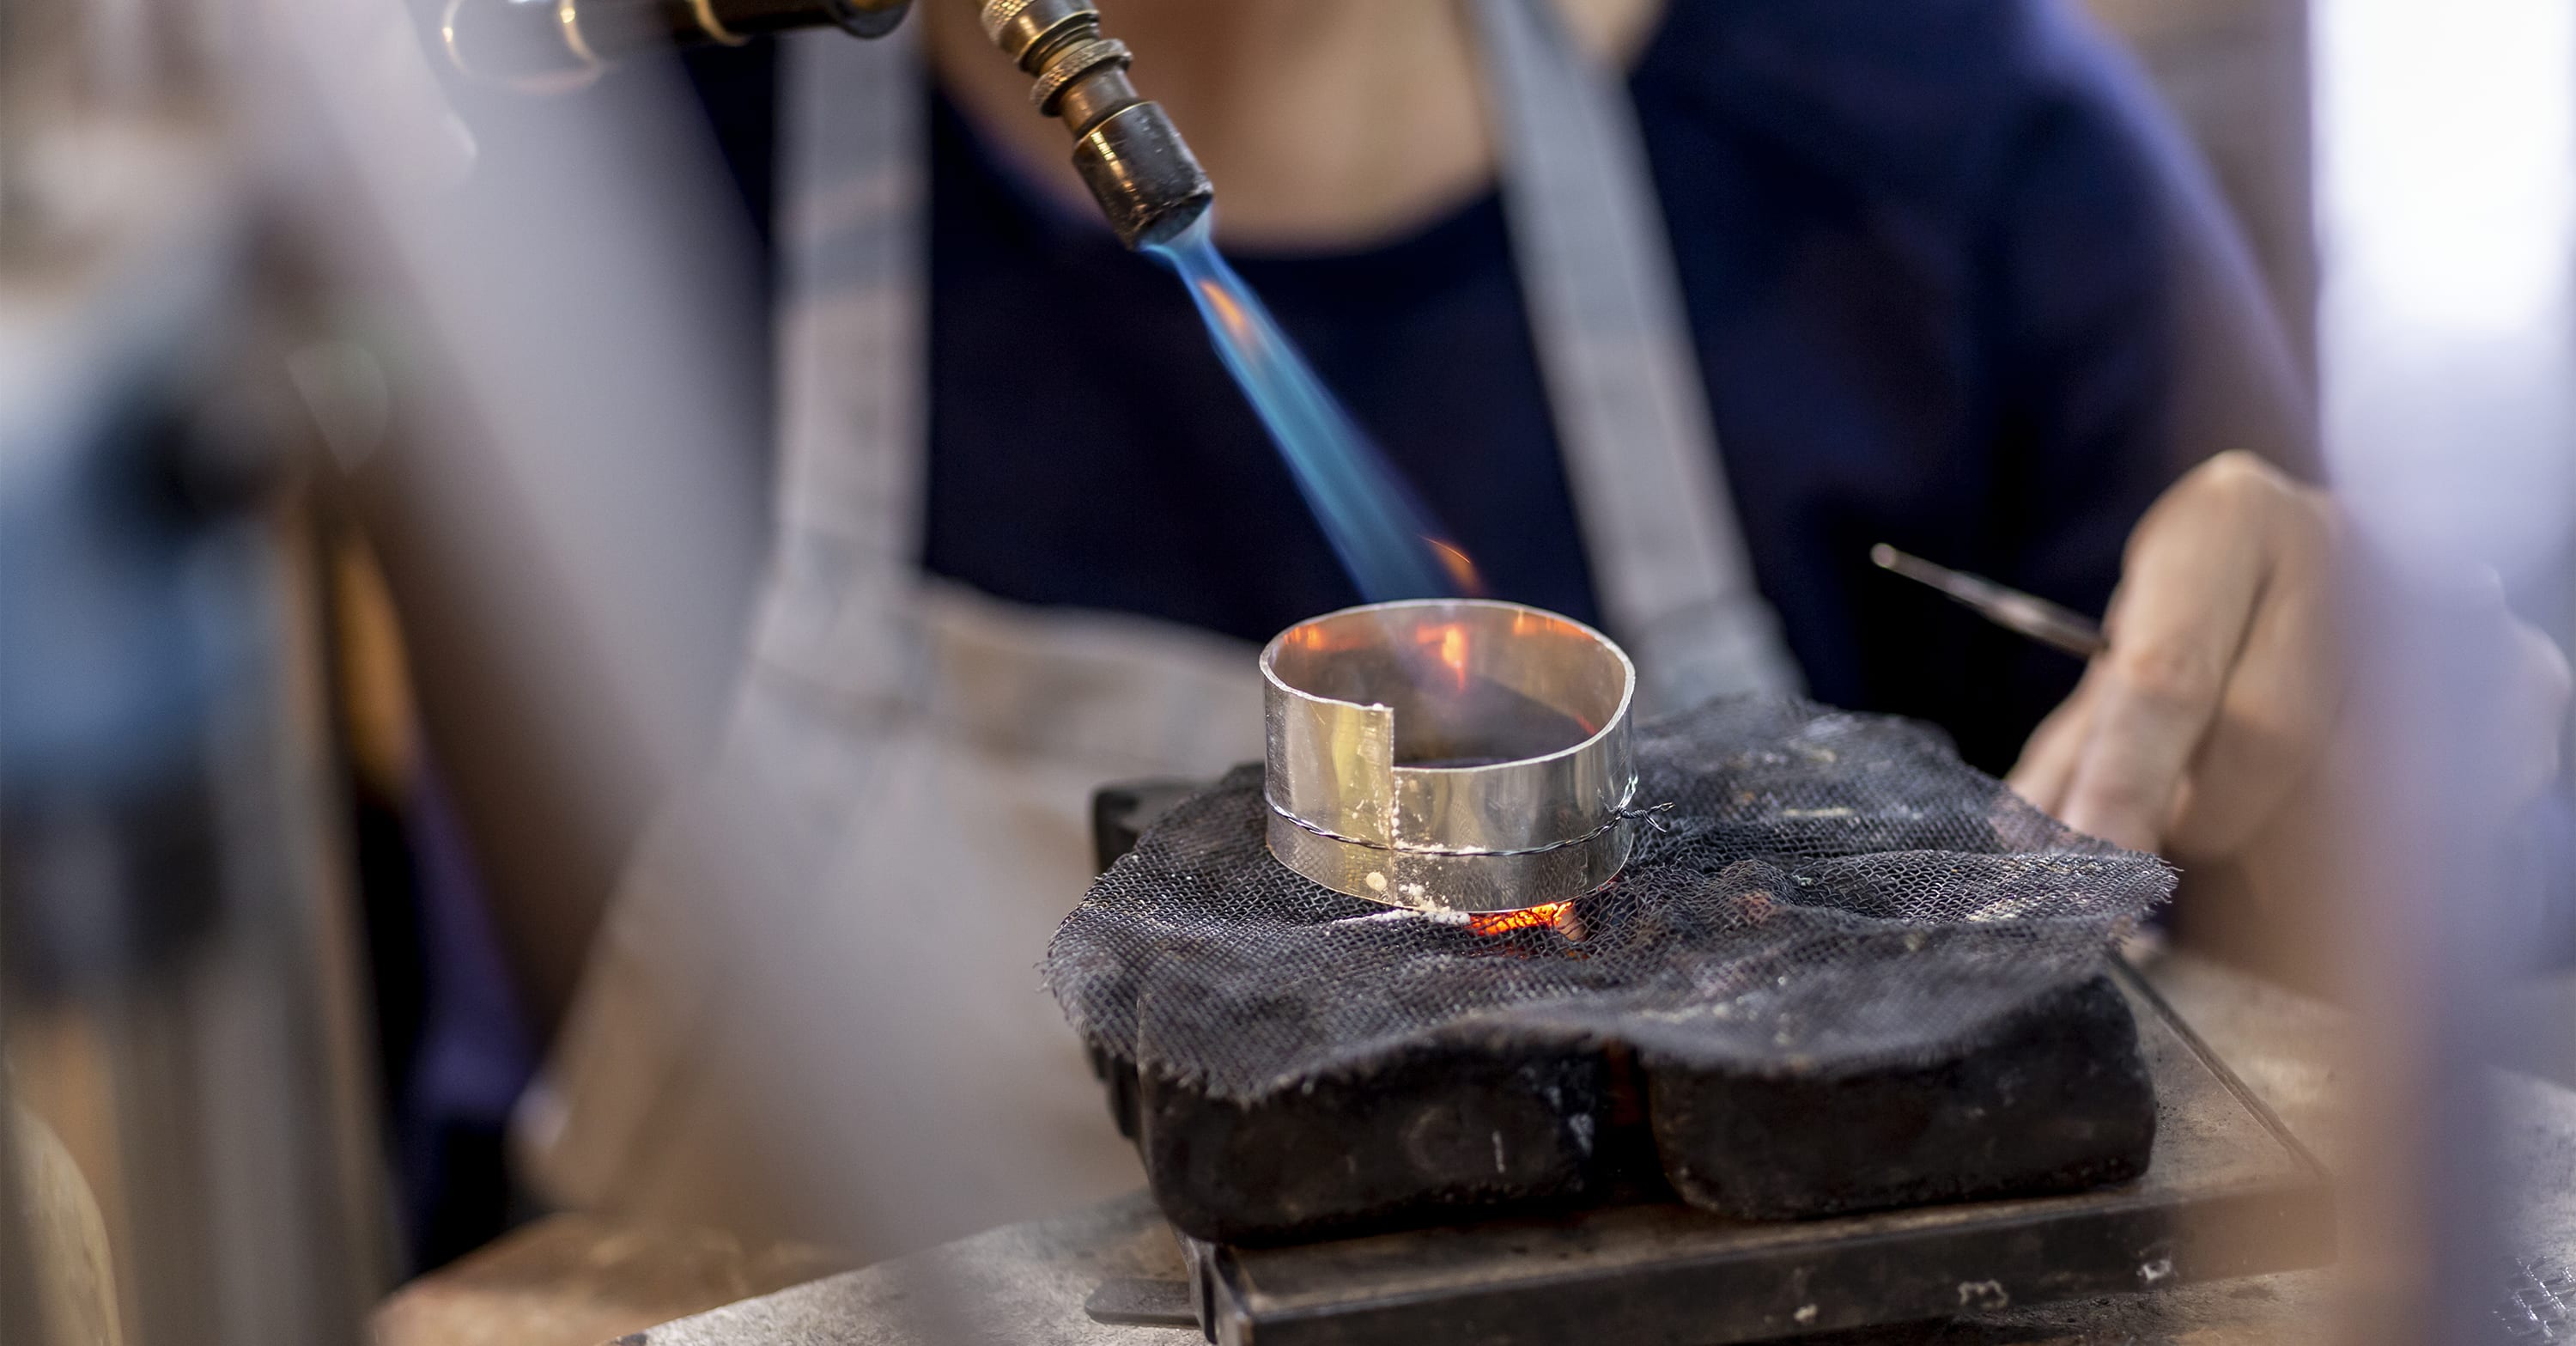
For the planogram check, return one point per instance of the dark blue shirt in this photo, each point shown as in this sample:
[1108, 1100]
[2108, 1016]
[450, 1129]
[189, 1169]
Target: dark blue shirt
[1920, 250]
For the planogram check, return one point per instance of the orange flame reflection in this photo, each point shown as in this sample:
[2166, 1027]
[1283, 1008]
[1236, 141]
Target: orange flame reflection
[1448, 643]
[1559, 916]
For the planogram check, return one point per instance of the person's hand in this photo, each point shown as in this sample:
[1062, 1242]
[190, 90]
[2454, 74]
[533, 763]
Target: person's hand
[2221, 686]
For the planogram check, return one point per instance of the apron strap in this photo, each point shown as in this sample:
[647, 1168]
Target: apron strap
[1631, 409]
[836, 615]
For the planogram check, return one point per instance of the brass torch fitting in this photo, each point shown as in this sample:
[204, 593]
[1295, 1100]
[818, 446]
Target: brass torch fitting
[1128, 153]
[1135, 163]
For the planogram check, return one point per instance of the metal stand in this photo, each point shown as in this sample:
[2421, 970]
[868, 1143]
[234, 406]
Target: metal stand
[168, 892]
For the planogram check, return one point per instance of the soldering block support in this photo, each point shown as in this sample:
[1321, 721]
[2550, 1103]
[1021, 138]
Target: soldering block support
[1848, 972]
[1434, 1134]
[2051, 1098]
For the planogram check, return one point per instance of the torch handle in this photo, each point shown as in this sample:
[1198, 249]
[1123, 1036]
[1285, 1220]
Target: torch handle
[540, 46]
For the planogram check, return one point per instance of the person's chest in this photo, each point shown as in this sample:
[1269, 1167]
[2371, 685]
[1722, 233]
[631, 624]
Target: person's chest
[1087, 448]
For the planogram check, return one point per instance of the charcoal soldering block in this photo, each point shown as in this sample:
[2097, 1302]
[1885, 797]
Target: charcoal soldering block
[2052, 1097]
[1436, 1132]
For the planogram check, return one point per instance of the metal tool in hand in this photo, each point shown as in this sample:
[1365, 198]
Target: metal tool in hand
[2010, 608]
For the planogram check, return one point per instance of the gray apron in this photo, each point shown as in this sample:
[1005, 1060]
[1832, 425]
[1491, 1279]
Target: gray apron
[900, 799]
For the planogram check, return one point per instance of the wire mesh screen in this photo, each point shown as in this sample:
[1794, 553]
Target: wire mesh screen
[1826, 892]
[2536, 1305]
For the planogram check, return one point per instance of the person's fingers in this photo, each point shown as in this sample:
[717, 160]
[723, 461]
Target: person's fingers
[2048, 758]
[2281, 698]
[2187, 594]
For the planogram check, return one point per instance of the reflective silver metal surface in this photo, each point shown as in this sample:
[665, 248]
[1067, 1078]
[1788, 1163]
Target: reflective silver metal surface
[1455, 755]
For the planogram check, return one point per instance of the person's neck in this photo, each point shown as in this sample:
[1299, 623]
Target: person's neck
[1323, 123]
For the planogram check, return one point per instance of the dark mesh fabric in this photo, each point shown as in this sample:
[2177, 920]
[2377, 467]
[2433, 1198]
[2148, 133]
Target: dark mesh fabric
[1827, 891]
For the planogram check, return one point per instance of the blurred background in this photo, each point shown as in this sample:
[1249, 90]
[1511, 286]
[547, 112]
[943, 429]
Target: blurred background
[352, 631]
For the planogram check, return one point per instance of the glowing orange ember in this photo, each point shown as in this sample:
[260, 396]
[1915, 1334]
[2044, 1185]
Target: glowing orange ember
[1557, 915]
[1461, 570]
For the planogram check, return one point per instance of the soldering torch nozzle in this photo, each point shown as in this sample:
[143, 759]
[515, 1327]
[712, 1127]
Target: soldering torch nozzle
[1128, 152]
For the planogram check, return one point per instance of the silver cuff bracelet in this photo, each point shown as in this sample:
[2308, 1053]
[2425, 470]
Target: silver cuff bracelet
[1450, 755]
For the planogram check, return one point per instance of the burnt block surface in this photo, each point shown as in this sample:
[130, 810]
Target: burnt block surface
[1439, 1132]
[2052, 1098]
